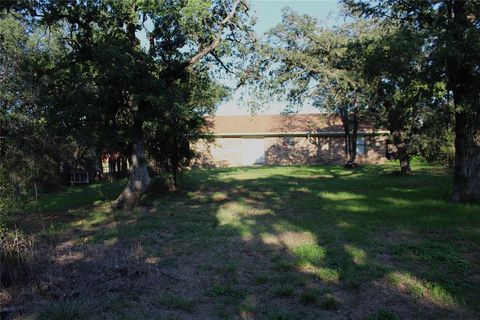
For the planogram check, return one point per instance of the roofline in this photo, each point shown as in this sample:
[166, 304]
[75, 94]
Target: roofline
[295, 134]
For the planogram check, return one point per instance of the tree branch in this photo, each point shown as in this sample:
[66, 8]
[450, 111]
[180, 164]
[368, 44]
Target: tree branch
[222, 63]
[216, 40]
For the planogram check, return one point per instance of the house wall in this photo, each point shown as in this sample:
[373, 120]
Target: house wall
[231, 152]
[375, 150]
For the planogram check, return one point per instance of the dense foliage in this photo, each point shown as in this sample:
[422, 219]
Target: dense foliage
[364, 72]
[392, 65]
[119, 66]
[304, 62]
[451, 45]
[169, 136]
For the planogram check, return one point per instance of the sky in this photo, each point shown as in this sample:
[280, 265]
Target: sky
[269, 13]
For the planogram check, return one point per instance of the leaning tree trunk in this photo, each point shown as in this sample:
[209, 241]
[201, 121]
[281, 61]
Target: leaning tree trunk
[139, 178]
[466, 177]
[402, 152]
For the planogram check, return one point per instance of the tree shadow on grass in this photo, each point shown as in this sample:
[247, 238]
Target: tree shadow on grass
[280, 243]
[386, 240]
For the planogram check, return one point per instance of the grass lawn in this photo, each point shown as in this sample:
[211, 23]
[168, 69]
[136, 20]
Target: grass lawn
[263, 243]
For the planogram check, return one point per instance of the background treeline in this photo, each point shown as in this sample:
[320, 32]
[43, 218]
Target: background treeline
[365, 71]
[411, 67]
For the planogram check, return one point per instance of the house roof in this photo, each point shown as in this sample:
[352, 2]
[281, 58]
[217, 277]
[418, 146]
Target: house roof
[297, 124]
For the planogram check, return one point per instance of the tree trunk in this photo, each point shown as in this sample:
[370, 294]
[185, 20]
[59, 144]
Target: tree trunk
[402, 152]
[174, 176]
[353, 139]
[466, 177]
[347, 146]
[124, 166]
[139, 178]
[466, 174]
[346, 128]
[100, 165]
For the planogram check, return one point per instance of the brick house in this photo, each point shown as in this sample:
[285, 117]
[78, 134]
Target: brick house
[285, 140]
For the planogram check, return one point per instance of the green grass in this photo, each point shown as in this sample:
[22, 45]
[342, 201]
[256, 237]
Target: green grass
[330, 302]
[251, 234]
[283, 291]
[80, 196]
[176, 302]
[80, 309]
[384, 314]
[309, 296]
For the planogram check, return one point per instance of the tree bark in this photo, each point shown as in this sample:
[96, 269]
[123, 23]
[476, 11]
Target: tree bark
[346, 128]
[139, 178]
[353, 138]
[350, 135]
[402, 152]
[466, 177]
[100, 165]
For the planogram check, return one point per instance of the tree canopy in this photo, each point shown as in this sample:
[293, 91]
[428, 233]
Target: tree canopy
[138, 77]
[451, 31]
[105, 84]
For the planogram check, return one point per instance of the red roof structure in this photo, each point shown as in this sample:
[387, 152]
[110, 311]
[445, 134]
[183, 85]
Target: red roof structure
[279, 124]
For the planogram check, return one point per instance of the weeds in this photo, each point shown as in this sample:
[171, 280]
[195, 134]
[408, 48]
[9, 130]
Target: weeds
[80, 309]
[330, 302]
[384, 314]
[283, 291]
[176, 302]
[18, 259]
[309, 296]
[357, 238]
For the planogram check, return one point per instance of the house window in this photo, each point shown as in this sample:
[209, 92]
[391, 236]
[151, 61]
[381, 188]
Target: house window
[361, 146]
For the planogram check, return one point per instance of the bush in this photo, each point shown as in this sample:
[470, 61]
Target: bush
[12, 197]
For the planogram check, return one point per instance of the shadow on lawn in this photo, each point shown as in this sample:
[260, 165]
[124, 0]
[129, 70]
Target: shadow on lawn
[373, 248]
[255, 244]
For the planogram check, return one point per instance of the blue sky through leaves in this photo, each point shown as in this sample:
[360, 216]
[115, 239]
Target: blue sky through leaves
[269, 13]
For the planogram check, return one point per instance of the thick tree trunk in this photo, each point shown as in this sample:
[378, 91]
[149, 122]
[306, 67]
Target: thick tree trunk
[466, 177]
[402, 152]
[139, 178]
